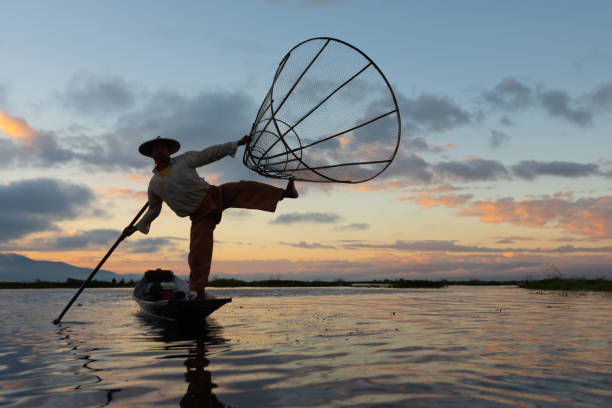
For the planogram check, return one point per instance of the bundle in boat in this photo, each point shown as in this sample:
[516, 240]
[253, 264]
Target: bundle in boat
[162, 294]
[329, 116]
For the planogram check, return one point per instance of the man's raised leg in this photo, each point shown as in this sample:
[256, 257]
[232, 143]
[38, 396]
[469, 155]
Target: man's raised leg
[253, 195]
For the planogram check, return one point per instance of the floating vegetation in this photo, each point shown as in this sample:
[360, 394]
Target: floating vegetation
[401, 283]
[568, 284]
[386, 283]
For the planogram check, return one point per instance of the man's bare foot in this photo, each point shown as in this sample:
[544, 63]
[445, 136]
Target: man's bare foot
[199, 296]
[290, 190]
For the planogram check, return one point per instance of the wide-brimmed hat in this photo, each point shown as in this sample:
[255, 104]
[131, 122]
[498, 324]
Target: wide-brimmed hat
[146, 147]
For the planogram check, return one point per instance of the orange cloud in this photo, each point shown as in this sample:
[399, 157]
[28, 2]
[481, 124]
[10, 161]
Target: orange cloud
[427, 200]
[568, 193]
[530, 213]
[125, 192]
[213, 178]
[15, 127]
[370, 187]
[586, 216]
[393, 184]
[344, 140]
[444, 188]
[138, 178]
[591, 217]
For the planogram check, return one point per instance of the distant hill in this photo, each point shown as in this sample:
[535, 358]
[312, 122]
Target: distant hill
[19, 268]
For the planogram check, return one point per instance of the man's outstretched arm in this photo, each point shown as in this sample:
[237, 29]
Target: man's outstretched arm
[216, 152]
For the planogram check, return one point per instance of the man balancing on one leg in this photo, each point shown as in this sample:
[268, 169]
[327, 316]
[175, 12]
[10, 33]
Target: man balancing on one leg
[176, 182]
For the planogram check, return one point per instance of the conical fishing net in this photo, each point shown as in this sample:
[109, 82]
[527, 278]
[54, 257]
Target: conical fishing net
[329, 116]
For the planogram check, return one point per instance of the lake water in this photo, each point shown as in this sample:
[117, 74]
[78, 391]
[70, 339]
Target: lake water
[303, 347]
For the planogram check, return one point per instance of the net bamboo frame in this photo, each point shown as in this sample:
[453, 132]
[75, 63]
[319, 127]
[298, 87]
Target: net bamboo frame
[330, 115]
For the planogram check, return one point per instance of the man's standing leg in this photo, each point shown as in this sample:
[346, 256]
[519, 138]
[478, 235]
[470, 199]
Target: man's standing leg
[244, 194]
[200, 251]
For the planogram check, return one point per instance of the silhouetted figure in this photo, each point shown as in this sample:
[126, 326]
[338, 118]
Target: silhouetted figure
[176, 182]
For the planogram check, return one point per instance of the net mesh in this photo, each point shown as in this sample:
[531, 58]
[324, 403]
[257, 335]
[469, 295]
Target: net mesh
[329, 116]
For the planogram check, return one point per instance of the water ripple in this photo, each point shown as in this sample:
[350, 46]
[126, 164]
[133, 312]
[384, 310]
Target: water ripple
[297, 347]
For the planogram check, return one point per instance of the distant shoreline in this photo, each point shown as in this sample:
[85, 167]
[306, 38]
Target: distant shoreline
[560, 284]
[67, 284]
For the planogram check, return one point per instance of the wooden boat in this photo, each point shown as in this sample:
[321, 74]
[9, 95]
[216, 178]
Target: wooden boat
[164, 295]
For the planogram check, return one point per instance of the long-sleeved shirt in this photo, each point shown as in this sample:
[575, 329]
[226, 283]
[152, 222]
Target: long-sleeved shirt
[182, 188]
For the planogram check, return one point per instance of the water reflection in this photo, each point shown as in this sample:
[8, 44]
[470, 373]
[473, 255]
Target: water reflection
[85, 354]
[195, 341]
[451, 347]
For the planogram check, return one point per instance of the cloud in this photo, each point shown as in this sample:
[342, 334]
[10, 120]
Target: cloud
[432, 113]
[590, 216]
[431, 266]
[510, 94]
[125, 192]
[427, 246]
[137, 177]
[442, 188]
[504, 241]
[353, 227]
[306, 245]
[451, 246]
[410, 167]
[91, 95]
[27, 144]
[497, 138]
[513, 95]
[566, 249]
[531, 169]
[311, 217]
[378, 268]
[35, 205]
[429, 200]
[16, 128]
[414, 144]
[472, 169]
[197, 122]
[84, 239]
[150, 245]
[557, 103]
[601, 97]
[512, 239]
[409, 170]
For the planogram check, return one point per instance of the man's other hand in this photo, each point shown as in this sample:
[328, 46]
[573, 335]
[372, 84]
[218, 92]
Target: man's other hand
[129, 230]
[245, 139]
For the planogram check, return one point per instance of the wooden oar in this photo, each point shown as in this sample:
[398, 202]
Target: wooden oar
[91, 275]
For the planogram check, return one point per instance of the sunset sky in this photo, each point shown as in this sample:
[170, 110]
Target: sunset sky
[504, 166]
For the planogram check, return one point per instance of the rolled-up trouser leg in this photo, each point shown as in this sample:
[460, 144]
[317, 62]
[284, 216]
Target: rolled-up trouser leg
[251, 195]
[200, 251]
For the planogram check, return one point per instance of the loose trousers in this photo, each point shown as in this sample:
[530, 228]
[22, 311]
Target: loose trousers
[243, 194]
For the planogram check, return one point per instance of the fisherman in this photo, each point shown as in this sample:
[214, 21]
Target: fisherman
[176, 182]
